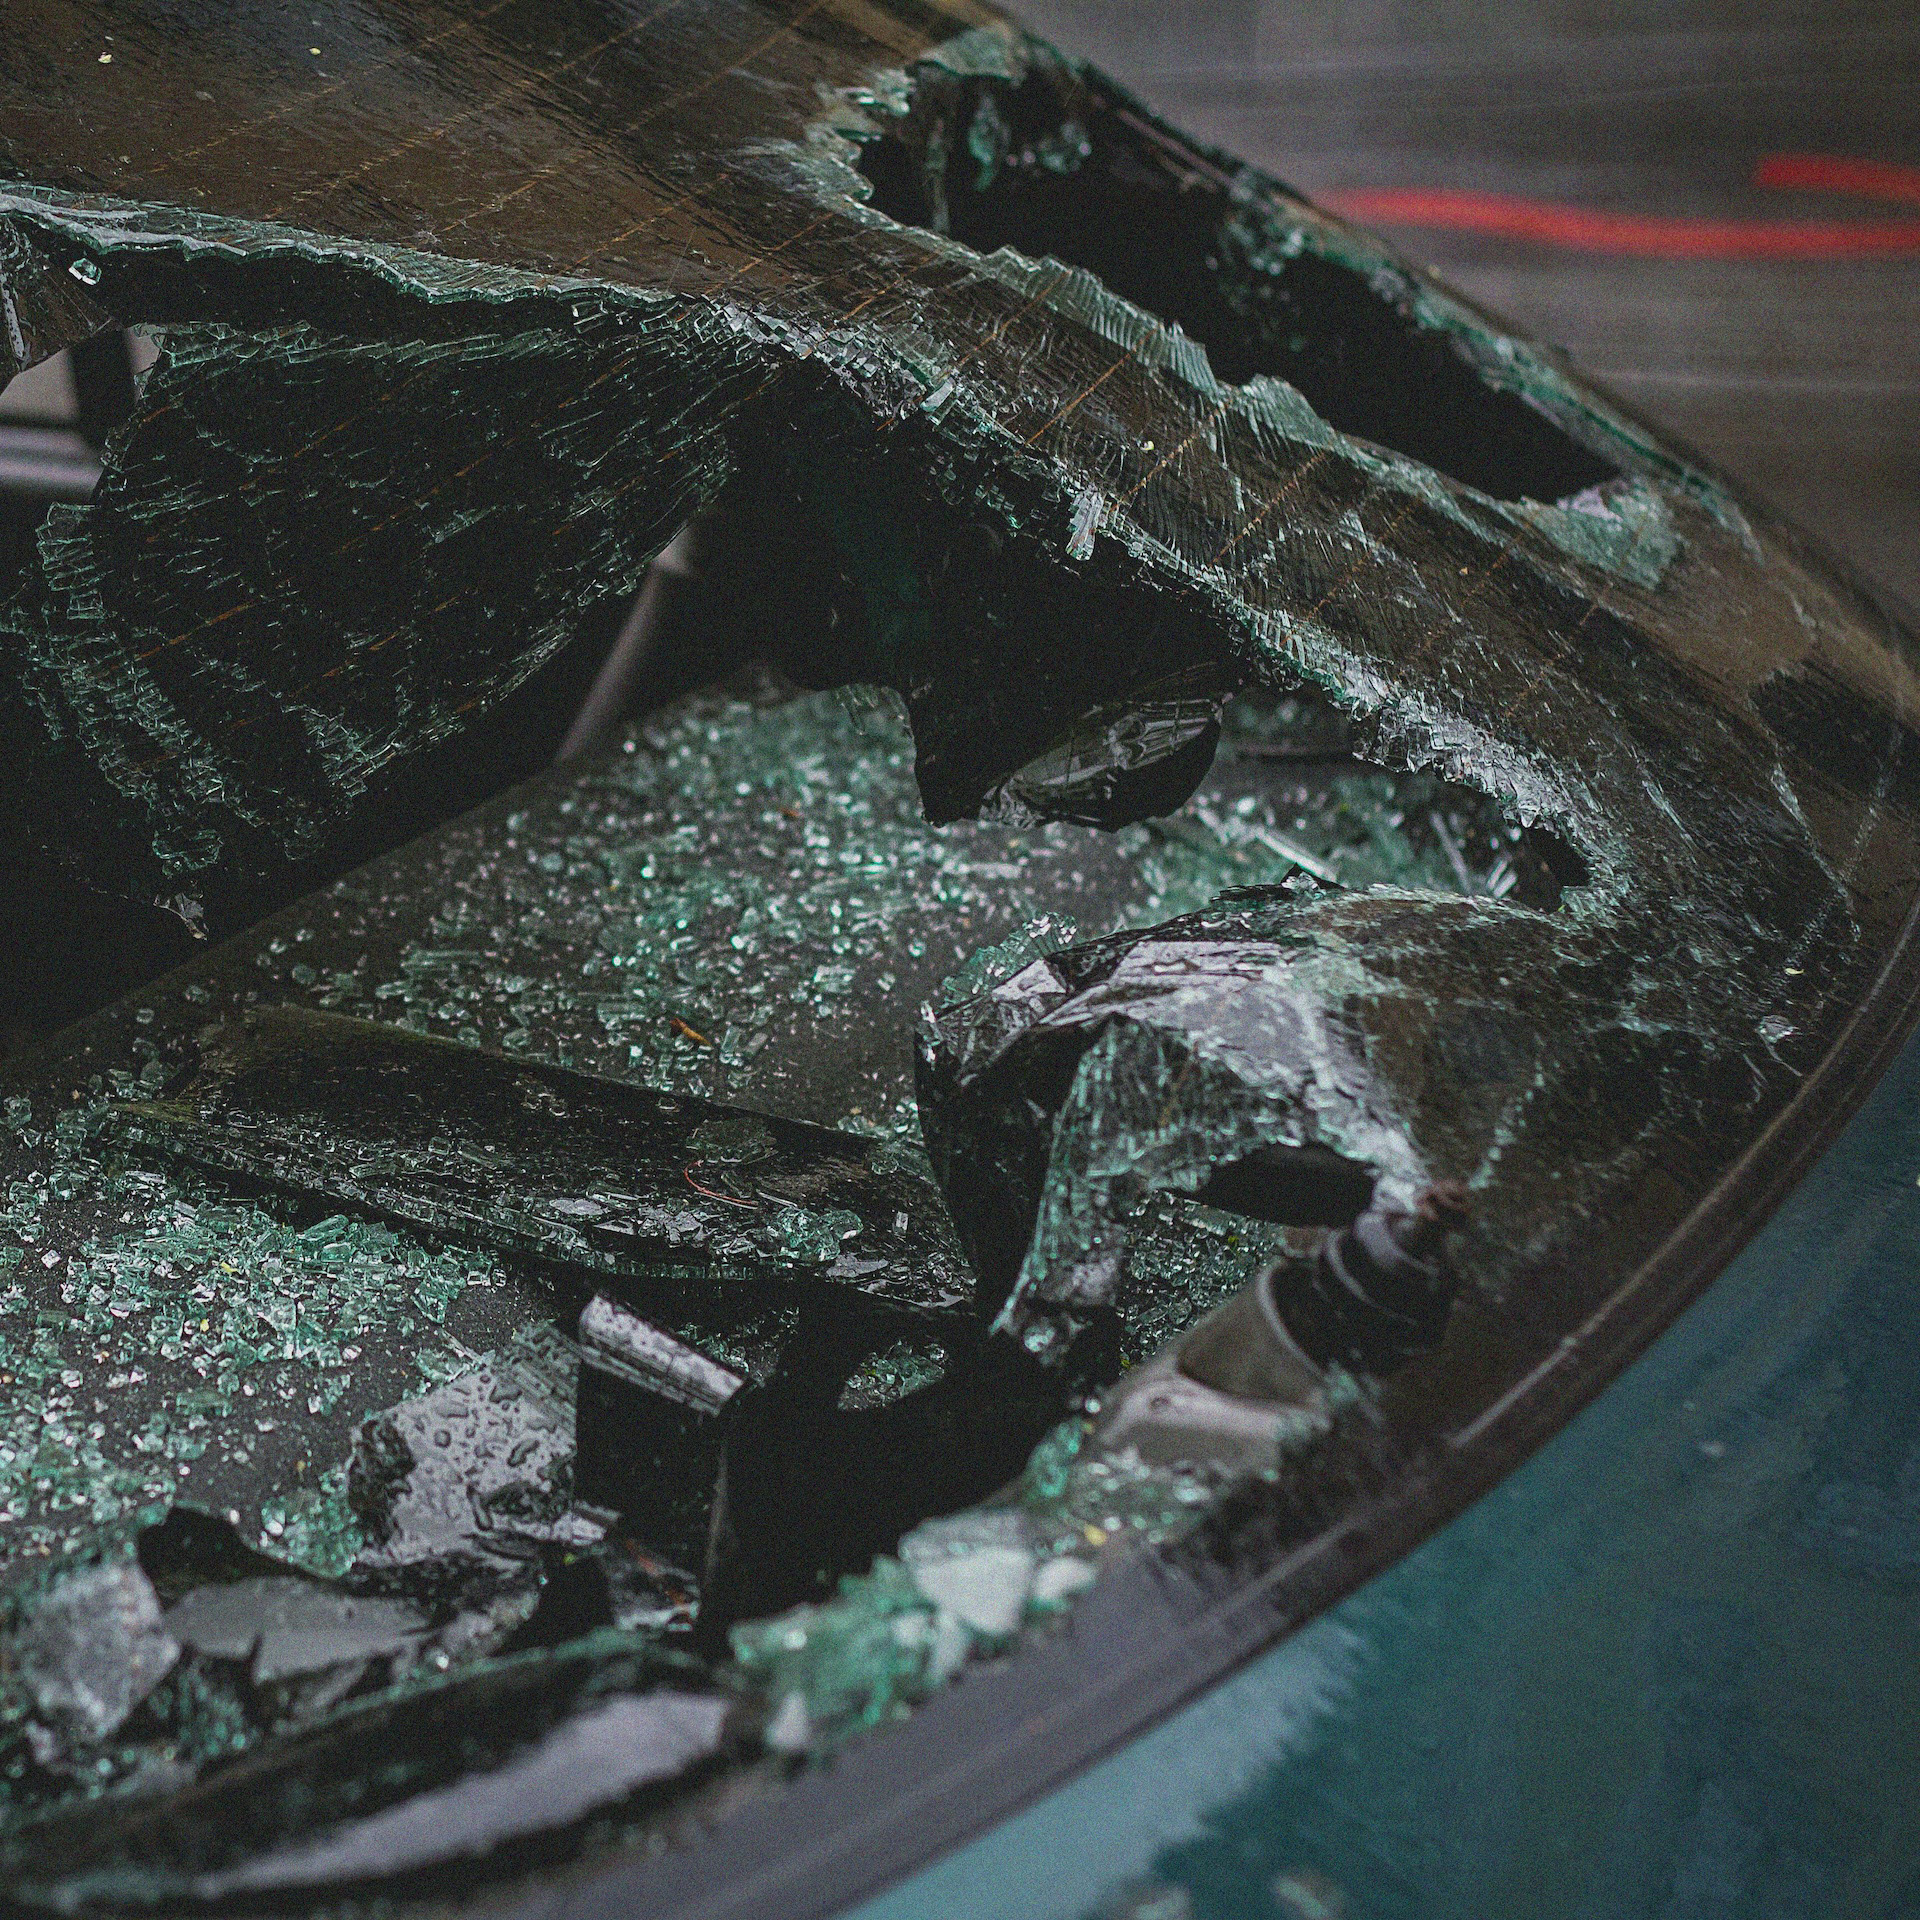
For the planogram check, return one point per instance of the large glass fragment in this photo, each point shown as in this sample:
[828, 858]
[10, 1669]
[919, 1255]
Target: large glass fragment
[557, 1166]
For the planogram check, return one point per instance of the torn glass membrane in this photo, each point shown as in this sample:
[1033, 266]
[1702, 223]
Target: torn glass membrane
[1269, 884]
[1043, 158]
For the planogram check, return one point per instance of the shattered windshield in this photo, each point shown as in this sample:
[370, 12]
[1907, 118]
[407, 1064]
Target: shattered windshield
[1238, 889]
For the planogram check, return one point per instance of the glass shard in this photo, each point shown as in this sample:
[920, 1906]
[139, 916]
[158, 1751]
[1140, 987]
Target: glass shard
[90, 1650]
[479, 1773]
[533, 1160]
[477, 1473]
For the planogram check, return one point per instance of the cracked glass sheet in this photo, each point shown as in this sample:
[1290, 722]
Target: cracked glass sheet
[619, 260]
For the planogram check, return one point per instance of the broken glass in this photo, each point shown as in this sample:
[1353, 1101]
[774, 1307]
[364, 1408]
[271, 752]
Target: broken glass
[707, 879]
[648, 1426]
[482, 1773]
[1309, 750]
[479, 1470]
[90, 1651]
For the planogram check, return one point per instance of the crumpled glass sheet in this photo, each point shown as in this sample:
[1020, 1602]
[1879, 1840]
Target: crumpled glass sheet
[742, 907]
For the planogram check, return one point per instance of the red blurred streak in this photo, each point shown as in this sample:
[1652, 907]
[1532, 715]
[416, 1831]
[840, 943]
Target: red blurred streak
[1835, 173]
[1665, 236]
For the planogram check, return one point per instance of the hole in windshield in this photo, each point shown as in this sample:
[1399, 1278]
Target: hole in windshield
[1051, 165]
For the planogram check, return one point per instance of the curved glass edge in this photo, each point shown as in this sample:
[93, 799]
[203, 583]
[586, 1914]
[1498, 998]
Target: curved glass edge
[1670, 1666]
